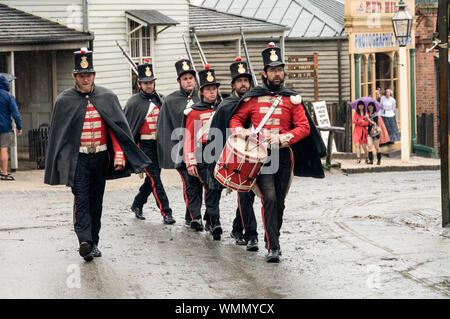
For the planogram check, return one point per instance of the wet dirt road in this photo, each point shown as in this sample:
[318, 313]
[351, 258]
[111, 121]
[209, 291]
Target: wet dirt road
[374, 235]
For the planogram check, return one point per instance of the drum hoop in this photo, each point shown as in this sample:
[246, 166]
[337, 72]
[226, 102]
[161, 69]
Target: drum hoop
[229, 184]
[247, 157]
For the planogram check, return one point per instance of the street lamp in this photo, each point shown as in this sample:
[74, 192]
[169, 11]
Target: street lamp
[402, 22]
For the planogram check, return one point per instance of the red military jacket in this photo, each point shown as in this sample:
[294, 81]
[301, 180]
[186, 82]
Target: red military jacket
[197, 130]
[289, 118]
[94, 134]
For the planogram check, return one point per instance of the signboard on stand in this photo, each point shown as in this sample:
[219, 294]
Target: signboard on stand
[323, 120]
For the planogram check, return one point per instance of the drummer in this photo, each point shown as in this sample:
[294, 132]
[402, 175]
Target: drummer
[197, 126]
[244, 225]
[290, 132]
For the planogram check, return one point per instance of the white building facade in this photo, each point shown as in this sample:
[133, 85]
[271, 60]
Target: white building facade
[145, 29]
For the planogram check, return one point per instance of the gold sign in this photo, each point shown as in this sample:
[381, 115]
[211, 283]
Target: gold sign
[185, 66]
[148, 72]
[84, 64]
[241, 68]
[209, 77]
[273, 56]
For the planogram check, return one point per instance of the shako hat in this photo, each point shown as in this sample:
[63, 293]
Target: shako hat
[239, 68]
[184, 66]
[272, 56]
[83, 61]
[145, 71]
[207, 77]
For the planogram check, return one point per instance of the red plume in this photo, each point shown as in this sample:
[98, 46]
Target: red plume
[83, 50]
[271, 45]
[207, 67]
[239, 59]
[146, 60]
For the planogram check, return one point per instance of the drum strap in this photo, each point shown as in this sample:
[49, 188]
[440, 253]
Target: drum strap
[269, 114]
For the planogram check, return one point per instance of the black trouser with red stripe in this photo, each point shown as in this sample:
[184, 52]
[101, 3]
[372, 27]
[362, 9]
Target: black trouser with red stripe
[193, 193]
[245, 221]
[152, 183]
[274, 188]
[88, 189]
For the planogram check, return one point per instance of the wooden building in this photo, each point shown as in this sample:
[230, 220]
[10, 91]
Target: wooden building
[145, 28]
[39, 53]
[313, 26]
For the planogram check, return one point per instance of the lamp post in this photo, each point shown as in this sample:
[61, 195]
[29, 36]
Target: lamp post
[402, 22]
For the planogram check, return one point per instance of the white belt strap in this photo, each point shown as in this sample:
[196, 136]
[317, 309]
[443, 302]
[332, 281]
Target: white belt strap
[93, 149]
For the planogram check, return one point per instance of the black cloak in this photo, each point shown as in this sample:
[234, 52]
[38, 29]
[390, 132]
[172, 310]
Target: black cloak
[307, 152]
[65, 132]
[171, 117]
[136, 110]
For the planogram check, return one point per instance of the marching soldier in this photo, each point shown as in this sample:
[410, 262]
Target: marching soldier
[142, 111]
[244, 229]
[198, 123]
[170, 132]
[290, 131]
[89, 141]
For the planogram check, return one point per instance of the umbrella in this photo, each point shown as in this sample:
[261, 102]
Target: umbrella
[366, 101]
[9, 77]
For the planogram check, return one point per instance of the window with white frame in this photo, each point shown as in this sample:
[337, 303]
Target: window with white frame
[140, 43]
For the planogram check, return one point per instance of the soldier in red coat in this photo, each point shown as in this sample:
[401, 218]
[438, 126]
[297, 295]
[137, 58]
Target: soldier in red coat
[287, 134]
[198, 123]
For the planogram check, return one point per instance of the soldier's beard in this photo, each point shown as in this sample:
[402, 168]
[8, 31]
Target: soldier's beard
[241, 91]
[274, 85]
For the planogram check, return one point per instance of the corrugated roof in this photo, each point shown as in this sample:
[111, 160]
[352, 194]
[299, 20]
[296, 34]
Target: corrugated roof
[152, 17]
[206, 20]
[18, 27]
[306, 18]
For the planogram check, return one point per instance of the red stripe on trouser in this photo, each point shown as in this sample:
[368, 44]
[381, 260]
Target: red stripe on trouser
[155, 194]
[74, 210]
[240, 212]
[185, 195]
[264, 221]
[206, 193]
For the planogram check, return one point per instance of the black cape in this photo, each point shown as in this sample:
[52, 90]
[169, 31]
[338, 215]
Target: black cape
[136, 110]
[170, 118]
[65, 132]
[307, 152]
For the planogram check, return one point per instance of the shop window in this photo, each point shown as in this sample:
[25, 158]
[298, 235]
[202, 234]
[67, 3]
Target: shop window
[383, 71]
[363, 75]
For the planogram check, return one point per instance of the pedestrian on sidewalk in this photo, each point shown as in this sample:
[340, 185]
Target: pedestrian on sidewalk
[388, 114]
[359, 135]
[8, 109]
[374, 140]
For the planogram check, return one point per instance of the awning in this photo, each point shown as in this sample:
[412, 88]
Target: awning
[151, 18]
[21, 31]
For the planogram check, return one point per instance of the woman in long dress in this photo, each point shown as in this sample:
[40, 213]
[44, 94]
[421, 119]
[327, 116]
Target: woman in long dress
[359, 135]
[388, 115]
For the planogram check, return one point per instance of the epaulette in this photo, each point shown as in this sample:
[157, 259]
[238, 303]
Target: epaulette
[296, 99]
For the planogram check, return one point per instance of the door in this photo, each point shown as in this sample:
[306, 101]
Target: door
[33, 90]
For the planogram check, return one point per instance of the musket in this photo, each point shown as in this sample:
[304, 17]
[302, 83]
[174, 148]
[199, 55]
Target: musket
[129, 60]
[202, 55]
[247, 57]
[188, 51]
[203, 58]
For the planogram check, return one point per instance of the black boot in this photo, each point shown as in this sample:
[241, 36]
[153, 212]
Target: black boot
[370, 158]
[138, 212]
[378, 158]
[216, 230]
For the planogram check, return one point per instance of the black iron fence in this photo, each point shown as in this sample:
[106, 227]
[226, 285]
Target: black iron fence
[37, 143]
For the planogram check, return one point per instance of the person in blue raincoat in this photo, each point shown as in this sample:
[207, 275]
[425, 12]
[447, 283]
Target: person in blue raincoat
[8, 110]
